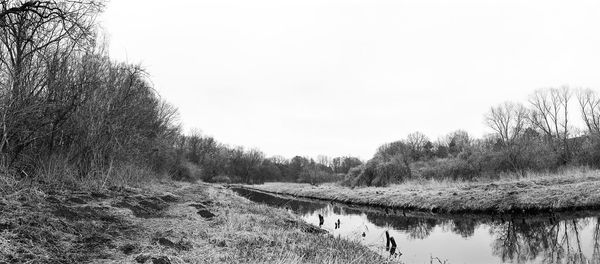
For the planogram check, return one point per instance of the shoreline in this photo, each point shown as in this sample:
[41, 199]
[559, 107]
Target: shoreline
[173, 222]
[524, 196]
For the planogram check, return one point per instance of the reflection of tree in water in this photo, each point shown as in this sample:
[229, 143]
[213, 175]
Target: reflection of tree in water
[464, 227]
[548, 241]
[416, 227]
[596, 242]
[421, 228]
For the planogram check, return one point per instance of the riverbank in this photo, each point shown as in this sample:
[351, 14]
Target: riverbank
[542, 193]
[168, 222]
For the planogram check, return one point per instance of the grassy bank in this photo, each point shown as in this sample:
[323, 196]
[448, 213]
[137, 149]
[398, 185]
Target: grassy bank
[170, 222]
[558, 192]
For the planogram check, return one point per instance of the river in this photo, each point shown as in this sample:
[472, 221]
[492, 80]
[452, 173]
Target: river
[430, 238]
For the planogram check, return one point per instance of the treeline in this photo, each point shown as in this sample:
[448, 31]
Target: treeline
[538, 136]
[212, 161]
[66, 109]
[70, 113]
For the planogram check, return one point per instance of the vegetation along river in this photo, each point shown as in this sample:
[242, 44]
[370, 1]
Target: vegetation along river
[431, 238]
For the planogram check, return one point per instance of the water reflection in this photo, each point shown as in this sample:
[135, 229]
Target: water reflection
[547, 241]
[506, 239]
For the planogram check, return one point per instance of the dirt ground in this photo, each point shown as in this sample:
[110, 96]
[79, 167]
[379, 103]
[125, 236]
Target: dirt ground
[163, 223]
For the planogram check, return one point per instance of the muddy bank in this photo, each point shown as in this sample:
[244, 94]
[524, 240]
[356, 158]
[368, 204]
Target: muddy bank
[40, 225]
[162, 223]
[535, 196]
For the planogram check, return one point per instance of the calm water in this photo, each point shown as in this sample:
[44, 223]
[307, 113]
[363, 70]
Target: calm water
[565, 238]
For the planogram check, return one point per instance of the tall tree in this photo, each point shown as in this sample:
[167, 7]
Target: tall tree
[508, 120]
[589, 103]
[550, 114]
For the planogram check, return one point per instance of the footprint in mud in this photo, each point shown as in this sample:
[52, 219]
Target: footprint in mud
[143, 207]
[203, 211]
[181, 246]
[84, 213]
[128, 249]
[76, 200]
[155, 260]
[169, 198]
[161, 260]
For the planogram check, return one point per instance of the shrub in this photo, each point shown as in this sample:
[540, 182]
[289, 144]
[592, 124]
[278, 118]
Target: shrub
[379, 172]
[221, 179]
[450, 168]
[186, 171]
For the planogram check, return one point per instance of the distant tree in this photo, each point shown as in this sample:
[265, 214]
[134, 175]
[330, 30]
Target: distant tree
[397, 152]
[416, 142]
[269, 171]
[336, 164]
[297, 164]
[324, 160]
[428, 150]
[508, 120]
[550, 114]
[349, 163]
[589, 103]
[458, 141]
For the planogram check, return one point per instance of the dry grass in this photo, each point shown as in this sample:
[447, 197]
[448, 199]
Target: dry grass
[569, 189]
[160, 221]
[244, 232]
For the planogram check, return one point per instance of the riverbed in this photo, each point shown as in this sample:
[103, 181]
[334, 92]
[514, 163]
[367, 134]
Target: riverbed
[432, 238]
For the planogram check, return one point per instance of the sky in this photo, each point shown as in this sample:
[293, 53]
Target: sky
[341, 77]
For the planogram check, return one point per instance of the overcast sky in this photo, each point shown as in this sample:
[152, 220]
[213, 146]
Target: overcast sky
[340, 77]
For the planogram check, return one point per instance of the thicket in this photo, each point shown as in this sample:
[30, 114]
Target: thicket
[534, 138]
[67, 111]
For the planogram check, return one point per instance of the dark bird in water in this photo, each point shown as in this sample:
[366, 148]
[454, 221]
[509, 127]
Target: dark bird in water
[321, 220]
[338, 223]
[363, 234]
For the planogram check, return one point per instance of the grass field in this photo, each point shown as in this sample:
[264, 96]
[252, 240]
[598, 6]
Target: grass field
[170, 222]
[573, 189]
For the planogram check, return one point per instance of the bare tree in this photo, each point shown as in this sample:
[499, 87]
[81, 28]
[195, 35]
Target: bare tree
[458, 141]
[589, 103]
[507, 120]
[417, 141]
[34, 36]
[550, 114]
[324, 160]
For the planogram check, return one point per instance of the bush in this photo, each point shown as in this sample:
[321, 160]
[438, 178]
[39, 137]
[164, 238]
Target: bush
[589, 152]
[186, 171]
[379, 172]
[221, 179]
[450, 168]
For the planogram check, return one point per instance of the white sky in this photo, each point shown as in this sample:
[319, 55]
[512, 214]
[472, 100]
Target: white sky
[339, 77]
